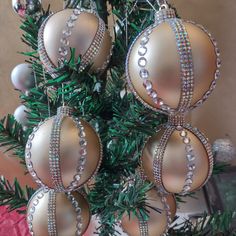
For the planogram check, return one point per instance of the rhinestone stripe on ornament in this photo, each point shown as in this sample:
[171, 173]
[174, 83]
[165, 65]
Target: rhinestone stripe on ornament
[78, 211]
[32, 209]
[177, 121]
[143, 228]
[159, 155]
[83, 154]
[186, 63]
[94, 47]
[190, 156]
[54, 153]
[218, 65]
[167, 209]
[207, 146]
[43, 53]
[52, 227]
[28, 161]
[164, 14]
[144, 73]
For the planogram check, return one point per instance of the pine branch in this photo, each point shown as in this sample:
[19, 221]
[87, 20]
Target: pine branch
[208, 225]
[12, 137]
[14, 196]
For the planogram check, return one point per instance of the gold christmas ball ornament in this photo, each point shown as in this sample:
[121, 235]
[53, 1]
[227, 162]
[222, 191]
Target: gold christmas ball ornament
[173, 65]
[63, 152]
[77, 28]
[51, 213]
[178, 159]
[162, 210]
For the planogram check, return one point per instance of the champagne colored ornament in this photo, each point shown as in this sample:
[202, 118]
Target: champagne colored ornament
[178, 159]
[50, 213]
[173, 65]
[74, 28]
[63, 152]
[21, 116]
[162, 210]
[26, 8]
[22, 77]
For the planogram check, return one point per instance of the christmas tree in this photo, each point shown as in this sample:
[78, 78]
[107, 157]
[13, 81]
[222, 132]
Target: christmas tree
[101, 96]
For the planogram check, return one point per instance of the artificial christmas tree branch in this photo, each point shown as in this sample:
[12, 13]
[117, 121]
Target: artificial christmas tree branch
[122, 122]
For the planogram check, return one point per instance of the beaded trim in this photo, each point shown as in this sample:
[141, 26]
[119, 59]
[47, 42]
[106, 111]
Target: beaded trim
[48, 64]
[190, 156]
[28, 155]
[218, 65]
[144, 74]
[64, 48]
[207, 146]
[186, 63]
[158, 157]
[83, 155]
[176, 120]
[167, 210]
[52, 226]
[30, 212]
[94, 48]
[54, 153]
[78, 210]
[143, 228]
[164, 14]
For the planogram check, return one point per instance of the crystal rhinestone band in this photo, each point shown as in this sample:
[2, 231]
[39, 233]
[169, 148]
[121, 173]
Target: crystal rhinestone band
[49, 66]
[31, 209]
[75, 204]
[176, 120]
[218, 65]
[164, 14]
[28, 160]
[83, 154]
[143, 228]
[66, 110]
[159, 155]
[186, 63]
[94, 48]
[167, 210]
[54, 153]
[190, 156]
[52, 227]
[207, 146]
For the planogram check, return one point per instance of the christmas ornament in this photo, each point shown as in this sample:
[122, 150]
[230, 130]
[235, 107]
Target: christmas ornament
[63, 152]
[173, 65]
[26, 8]
[74, 28]
[22, 77]
[51, 213]
[178, 158]
[21, 116]
[162, 210]
[224, 150]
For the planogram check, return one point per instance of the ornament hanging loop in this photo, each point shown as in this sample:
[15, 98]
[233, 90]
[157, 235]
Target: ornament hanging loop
[163, 5]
